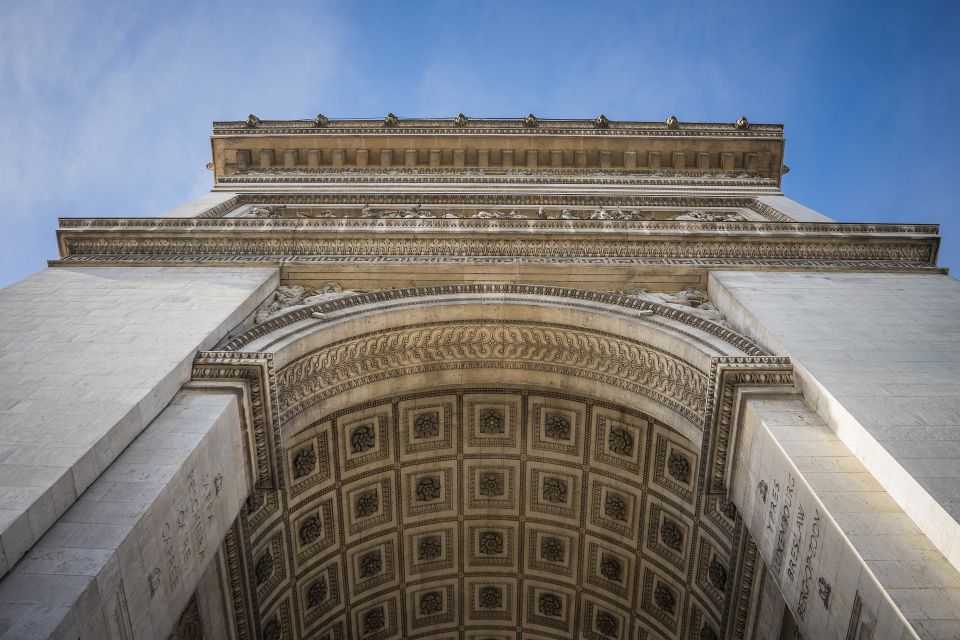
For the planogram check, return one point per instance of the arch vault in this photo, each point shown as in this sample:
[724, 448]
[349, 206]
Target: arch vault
[488, 457]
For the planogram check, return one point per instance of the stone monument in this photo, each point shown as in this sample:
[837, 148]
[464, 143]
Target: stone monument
[483, 379]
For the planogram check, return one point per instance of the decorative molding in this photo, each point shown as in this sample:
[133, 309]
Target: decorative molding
[508, 177]
[742, 598]
[639, 368]
[255, 372]
[366, 358]
[727, 376]
[510, 294]
[213, 223]
[240, 592]
[891, 266]
[686, 247]
[459, 197]
[488, 126]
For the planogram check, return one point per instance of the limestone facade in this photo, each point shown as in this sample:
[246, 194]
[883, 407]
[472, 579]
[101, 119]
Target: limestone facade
[482, 379]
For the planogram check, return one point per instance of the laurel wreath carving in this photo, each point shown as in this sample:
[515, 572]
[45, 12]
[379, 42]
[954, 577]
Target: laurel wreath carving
[627, 364]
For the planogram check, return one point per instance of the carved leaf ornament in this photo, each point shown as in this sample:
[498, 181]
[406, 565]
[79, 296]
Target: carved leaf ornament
[346, 364]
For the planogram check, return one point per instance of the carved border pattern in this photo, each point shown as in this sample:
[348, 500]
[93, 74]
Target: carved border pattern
[300, 245]
[495, 199]
[461, 198]
[737, 608]
[564, 293]
[714, 263]
[517, 177]
[236, 572]
[299, 224]
[726, 374]
[489, 126]
[255, 371]
[364, 359]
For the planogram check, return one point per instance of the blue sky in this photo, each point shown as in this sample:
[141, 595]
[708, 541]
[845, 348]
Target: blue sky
[107, 105]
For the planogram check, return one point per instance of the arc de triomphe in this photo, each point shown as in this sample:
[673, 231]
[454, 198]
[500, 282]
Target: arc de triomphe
[485, 379]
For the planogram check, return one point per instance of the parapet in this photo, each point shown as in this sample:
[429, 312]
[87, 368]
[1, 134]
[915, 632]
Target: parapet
[463, 144]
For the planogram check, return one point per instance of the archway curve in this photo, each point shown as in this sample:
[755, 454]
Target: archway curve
[267, 335]
[605, 338]
[555, 344]
[573, 516]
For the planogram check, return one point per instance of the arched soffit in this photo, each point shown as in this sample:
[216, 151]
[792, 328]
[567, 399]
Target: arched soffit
[709, 336]
[451, 511]
[665, 362]
[606, 346]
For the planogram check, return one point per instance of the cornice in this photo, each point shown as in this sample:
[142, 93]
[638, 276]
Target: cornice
[461, 197]
[884, 266]
[462, 144]
[619, 226]
[774, 243]
[514, 178]
[262, 242]
[492, 126]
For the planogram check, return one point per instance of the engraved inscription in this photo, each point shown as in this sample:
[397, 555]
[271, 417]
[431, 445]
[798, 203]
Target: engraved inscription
[812, 547]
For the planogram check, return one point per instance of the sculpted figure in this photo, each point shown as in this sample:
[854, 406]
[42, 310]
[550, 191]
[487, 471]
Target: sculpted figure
[629, 214]
[329, 291]
[703, 216]
[690, 300]
[742, 123]
[272, 211]
[530, 120]
[600, 214]
[287, 297]
[284, 297]
[499, 215]
[672, 122]
[323, 213]
[695, 215]
[416, 212]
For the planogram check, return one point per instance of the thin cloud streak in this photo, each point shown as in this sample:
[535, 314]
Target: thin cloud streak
[109, 105]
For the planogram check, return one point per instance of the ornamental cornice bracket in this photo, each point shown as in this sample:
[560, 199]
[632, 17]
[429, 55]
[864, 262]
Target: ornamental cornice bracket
[732, 381]
[254, 372]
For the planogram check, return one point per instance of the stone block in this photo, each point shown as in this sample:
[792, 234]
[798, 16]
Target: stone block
[115, 386]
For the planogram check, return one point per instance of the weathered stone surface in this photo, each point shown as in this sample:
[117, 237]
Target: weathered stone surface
[128, 555]
[431, 436]
[879, 358]
[829, 533]
[91, 356]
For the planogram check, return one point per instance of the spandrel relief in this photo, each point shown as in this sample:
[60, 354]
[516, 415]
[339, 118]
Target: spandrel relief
[689, 300]
[612, 212]
[288, 297]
